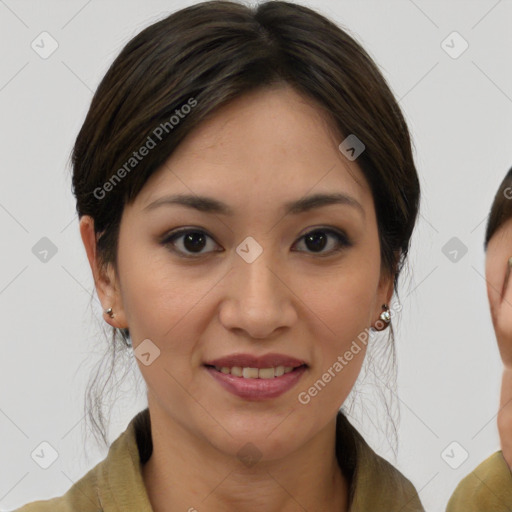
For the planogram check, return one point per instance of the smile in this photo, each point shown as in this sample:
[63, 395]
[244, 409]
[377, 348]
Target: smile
[257, 383]
[255, 373]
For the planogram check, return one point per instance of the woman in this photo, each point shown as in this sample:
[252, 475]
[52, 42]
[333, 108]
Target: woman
[247, 193]
[489, 486]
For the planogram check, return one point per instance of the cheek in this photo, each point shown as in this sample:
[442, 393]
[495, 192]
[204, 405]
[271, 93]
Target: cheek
[496, 266]
[344, 299]
[346, 317]
[341, 339]
[340, 309]
[158, 297]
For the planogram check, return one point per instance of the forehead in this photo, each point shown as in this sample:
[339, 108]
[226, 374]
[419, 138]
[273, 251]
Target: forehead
[270, 145]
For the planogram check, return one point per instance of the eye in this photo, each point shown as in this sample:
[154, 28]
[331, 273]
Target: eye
[190, 242]
[317, 240]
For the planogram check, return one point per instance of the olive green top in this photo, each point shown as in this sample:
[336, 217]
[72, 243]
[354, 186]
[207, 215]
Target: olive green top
[115, 484]
[487, 488]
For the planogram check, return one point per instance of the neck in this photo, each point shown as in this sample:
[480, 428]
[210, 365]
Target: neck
[189, 474]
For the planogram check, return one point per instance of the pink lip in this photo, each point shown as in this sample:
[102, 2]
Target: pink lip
[250, 361]
[258, 389]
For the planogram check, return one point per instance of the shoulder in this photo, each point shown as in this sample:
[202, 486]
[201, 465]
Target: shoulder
[487, 487]
[115, 483]
[394, 490]
[81, 496]
[376, 483]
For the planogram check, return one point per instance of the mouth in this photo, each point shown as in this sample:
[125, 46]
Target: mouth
[257, 384]
[249, 372]
[279, 363]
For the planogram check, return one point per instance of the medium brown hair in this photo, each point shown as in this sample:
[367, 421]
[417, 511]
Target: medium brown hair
[214, 52]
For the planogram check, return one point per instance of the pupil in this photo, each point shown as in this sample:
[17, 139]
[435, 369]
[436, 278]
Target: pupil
[191, 241]
[195, 241]
[318, 240]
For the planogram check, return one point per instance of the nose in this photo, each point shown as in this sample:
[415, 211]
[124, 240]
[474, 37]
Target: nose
[258, 300]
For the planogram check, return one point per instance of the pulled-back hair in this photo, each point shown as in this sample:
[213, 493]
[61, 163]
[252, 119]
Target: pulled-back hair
[205, 56]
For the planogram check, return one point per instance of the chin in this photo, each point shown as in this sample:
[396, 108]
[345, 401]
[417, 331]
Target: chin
[271, 436]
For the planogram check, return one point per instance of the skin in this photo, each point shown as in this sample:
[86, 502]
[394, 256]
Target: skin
[499, 293]
[265, 148]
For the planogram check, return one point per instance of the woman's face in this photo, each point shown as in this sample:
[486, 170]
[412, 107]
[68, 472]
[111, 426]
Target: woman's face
[250, 282]
[499, 288]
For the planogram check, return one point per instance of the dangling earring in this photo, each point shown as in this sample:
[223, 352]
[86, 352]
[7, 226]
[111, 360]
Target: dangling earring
[109, 312]
[385, 316]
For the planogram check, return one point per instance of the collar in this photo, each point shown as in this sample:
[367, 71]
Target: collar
[374, 484]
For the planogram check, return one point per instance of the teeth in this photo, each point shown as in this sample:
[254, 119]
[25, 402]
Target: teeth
[250, 373]
[266, 373]
[255, 373]
[236, 371]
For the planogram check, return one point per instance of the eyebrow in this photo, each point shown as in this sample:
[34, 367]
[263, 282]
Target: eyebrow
[211, 205]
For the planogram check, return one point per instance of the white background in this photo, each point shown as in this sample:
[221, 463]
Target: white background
[460, 114]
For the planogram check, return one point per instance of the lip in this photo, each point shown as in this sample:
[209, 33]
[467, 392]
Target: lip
[258, 389]
[250, 361]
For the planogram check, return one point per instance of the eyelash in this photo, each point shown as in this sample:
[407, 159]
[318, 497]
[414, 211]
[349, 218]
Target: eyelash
[169, 239]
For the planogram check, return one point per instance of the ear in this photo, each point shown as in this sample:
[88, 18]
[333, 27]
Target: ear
[104, 281]
[385, 291]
